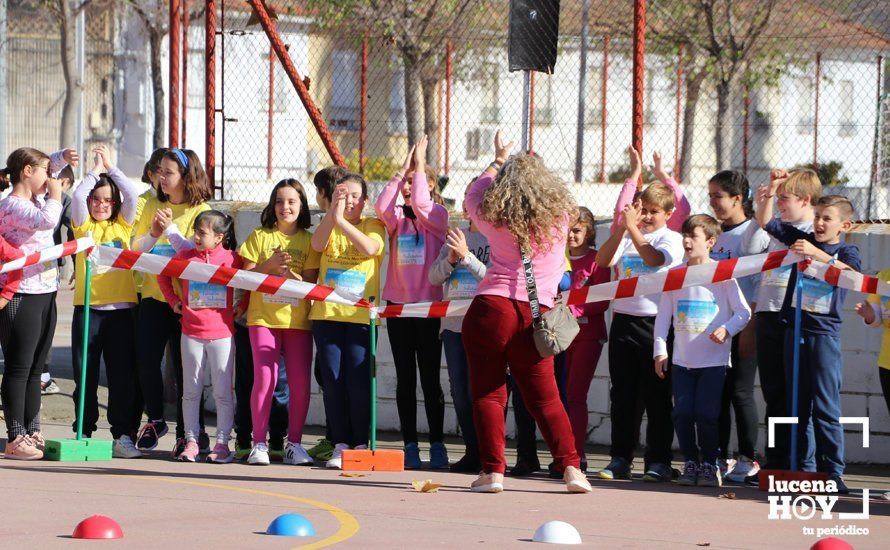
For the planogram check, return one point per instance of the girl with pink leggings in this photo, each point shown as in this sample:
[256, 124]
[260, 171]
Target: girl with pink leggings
[281, 326]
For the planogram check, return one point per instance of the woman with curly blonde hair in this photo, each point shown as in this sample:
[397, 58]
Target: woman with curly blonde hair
[517, 204]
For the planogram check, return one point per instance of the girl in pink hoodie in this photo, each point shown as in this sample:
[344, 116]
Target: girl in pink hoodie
[416, 230]
[207, 330]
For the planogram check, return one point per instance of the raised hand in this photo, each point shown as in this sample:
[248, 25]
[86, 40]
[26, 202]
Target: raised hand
[501, 149]
[71, 157]
[338, 202]
[408, 164]
[776, 178]
[658, 167]
[419, 151]
[631, 215]
[636, 164]
[103, 154]
[456, 242]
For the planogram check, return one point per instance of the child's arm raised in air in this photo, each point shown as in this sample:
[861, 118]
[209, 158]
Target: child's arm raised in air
[681, 203]
[629, 189]
[385, 205]
[431, 215]
[605, 255]
[365, 244]
[477, 189]
[662, 327]
[80, 210]
[764, 196]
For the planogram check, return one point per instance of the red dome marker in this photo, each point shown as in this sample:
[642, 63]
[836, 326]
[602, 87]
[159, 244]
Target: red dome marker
[831, 543]
[98, 527]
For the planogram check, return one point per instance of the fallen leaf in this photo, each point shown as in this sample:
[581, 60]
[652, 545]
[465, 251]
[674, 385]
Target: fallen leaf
[346, 474]
[730, 496]
[426, 486]
[703, 544]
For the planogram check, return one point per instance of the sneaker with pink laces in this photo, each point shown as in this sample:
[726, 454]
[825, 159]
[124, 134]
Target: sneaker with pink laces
[22, 448]
[220, 454]
[191, 451]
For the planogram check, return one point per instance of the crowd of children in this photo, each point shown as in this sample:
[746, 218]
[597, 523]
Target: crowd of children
[687, 358]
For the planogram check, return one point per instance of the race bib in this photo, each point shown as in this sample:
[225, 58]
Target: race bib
[461, 284]
[163, 250]
[273, 299]
[694, 316]
[346, 281]
[816, 296]
[410, 250]
[206, 296]
[721, 254]
[634, 266]
[777, 277]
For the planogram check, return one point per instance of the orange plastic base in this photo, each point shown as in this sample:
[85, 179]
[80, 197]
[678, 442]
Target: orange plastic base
[788, 475]
[377, 461]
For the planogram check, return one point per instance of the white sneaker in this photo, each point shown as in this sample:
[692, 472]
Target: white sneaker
[259, 454]
[336, 461]
[742, 468]
[123, 447]
[295, 454]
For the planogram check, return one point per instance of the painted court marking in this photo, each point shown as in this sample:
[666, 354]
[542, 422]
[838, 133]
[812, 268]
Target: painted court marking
[348, 524]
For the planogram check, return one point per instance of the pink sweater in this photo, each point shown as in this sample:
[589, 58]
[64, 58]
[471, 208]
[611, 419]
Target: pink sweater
[413, 244]
[211, 317]
[585, 272]
[681, 204]
[506, 276]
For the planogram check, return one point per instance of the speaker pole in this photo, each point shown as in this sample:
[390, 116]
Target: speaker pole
[526, 107]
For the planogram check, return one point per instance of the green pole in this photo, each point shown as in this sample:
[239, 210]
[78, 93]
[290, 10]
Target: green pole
[372, 317]
[81, 390]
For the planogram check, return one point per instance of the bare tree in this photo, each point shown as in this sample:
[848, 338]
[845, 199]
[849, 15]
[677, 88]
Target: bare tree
[419, 31]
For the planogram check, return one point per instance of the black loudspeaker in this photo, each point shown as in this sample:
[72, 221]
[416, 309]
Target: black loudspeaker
[534, 28]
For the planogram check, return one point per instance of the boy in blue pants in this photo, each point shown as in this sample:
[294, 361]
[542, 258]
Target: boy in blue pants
[820, 435]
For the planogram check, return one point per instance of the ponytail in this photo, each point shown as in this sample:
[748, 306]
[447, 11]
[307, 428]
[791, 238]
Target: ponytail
[16, 162]
[221, 224]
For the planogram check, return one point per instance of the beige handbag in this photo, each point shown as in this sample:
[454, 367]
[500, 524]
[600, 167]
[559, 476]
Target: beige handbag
[555, 330]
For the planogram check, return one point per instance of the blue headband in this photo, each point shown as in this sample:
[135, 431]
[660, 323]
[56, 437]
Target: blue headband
[183, 160]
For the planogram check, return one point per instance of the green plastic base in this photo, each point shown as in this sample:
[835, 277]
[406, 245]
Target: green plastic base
[73, 450]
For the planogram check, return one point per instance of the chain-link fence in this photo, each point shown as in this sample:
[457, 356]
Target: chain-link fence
[748, 86]
[742, 85]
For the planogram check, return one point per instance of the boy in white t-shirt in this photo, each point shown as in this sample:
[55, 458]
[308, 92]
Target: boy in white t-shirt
[641, 244]
[705, 318]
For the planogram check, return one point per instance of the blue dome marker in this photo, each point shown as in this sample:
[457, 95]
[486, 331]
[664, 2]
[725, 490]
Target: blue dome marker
[291, 525]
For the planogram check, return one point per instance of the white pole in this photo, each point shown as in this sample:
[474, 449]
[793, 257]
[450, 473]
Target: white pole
[526, 107]
[80, 44]
[4, 48]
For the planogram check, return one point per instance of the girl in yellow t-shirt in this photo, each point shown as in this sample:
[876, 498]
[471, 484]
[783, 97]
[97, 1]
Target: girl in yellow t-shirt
[281, 325]
[182, 193]
[351, 250]
[875, 311]
[104, 205]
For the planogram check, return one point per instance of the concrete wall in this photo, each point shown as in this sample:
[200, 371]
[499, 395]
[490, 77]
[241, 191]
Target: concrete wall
[861, 392]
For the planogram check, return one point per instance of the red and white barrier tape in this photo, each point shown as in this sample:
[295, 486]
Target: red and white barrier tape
[49, 254]
[225, 276]
[665, 281]
[845, 278]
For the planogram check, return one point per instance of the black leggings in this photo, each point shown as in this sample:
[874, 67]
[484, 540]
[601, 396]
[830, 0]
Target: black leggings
[415, 343]
[27, 325]
[110, 337]
[158, 326]
[884, 375]
[738, 391]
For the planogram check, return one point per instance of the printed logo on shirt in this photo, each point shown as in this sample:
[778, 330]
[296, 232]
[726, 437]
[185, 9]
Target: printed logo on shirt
[462, 284]
[346, 281]
[483, 253]
[163, 250]
[816, 296]
[777, 277]
[206, 296]
[694, 316]
[410, 249]
[721, 254]
[634, 266]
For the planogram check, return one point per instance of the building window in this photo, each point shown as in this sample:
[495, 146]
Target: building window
[594, 95]
[343, 112]
[490, 106]
[847, 126]
[543, 99]
[195, 92]
[398, 122]
[803, 97]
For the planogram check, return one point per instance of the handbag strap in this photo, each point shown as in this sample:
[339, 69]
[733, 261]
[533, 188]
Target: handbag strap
[531, 288]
